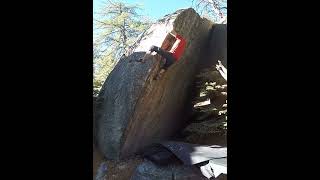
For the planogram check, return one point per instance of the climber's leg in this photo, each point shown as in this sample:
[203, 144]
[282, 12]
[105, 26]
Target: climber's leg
[169, 59]
[152, 49]
[166, 55]
[168, 62]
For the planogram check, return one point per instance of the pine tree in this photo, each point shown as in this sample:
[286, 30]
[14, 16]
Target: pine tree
[216, 10]
[116, 28]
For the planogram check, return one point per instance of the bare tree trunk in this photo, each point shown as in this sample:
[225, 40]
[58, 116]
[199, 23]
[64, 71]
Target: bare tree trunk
[222, 70]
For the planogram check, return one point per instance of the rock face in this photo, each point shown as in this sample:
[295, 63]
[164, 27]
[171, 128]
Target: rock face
[217, 47]
[133, 109]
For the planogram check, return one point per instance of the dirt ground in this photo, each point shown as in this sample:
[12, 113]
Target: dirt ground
[97, 160]
[117, 170]
[123, 170]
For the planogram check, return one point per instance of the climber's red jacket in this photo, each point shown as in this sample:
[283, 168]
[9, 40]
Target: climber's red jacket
[178, 51]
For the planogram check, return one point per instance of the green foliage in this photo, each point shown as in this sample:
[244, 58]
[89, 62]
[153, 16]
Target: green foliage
[105, 65]
[116, 28]
[119, 24]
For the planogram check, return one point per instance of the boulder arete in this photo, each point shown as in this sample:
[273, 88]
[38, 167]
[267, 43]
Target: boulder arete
[133, 109]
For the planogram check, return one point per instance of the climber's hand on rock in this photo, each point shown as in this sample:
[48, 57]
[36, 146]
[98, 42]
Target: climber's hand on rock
[143, 59]
[152, 48]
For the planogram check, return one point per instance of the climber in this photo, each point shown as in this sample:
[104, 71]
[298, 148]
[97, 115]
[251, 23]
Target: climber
[171, 56]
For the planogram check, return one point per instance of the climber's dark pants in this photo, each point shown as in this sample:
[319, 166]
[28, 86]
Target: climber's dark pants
[167, 55]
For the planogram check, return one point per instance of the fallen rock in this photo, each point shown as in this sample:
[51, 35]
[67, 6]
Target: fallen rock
[149, 171]
[160, 155]
[133, 109]
[214, 168]
[102, 171]
[191, 154]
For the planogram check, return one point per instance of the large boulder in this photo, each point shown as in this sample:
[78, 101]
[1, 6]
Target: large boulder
[133, 109]
[216, 47]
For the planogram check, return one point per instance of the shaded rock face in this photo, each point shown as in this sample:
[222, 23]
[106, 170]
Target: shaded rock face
[133, 109]
[216, 47]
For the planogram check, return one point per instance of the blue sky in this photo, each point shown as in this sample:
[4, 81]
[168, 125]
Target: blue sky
[155, 9]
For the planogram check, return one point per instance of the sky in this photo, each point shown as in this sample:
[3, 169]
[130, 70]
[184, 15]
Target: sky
[155, 9]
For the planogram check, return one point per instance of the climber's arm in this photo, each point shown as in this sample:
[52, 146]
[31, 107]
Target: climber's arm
[172, 34]
[175, 45]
